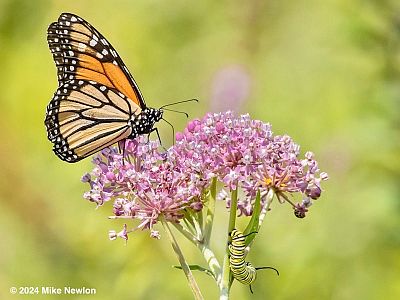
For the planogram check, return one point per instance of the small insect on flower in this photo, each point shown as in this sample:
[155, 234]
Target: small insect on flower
[242, 271]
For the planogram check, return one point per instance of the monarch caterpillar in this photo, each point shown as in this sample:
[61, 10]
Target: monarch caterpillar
[242, 271]
[97, 103]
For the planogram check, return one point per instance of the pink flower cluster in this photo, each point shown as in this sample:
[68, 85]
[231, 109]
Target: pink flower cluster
[242, 153]
[143, 185]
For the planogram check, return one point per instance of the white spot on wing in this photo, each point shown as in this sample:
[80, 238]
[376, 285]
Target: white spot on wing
[81, 47]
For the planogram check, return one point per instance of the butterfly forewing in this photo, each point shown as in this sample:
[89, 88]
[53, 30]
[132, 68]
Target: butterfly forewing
[86, 116]
[55, 48]
[82, 53]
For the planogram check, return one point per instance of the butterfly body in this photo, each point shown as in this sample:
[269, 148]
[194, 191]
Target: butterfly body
[97, 103]
[144, 122]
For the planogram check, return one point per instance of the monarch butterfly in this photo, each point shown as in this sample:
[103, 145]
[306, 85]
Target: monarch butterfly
[242, 271]
[97, 103]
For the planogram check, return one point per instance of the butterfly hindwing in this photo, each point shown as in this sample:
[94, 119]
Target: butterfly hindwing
[85, 116]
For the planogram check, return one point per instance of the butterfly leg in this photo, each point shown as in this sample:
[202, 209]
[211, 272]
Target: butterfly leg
[158, 136]
[173, 130]
[122, 144]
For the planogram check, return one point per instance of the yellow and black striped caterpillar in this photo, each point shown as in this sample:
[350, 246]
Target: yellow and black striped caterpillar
[242, 271]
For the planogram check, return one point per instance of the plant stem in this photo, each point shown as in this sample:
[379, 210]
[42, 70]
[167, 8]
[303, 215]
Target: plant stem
[224, 285]
[192, 282]
[186, 233]
[210, 212]
[197, 226]
[212, 262]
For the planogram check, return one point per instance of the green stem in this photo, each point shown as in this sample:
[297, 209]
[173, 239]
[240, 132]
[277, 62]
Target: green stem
[210, 212]
[192, 282]
[197, 226]
[232, 213]
[199, 217]
[186, 233]
[224, 285]
[212, 262]
[204, 244]
[189, 223]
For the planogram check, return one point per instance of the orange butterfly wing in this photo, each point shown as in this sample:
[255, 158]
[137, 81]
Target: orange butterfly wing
[81, 52]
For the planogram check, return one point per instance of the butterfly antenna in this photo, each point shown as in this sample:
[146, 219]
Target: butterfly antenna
[174, 103]
[262, 268]
[173, 129]
[177, 111]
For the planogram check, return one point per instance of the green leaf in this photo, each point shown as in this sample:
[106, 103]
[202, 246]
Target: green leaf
[197, 268]
[253, 223]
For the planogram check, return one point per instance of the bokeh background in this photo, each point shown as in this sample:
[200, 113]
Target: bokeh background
[324, 72]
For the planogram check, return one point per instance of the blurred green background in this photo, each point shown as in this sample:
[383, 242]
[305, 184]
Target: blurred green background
[324, 72]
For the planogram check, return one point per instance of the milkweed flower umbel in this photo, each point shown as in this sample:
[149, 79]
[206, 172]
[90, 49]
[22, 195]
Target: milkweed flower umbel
[240, 152]
[144, 186]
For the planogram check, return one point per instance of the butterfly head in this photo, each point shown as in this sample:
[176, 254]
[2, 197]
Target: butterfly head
[153, 114]
[157, 113]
